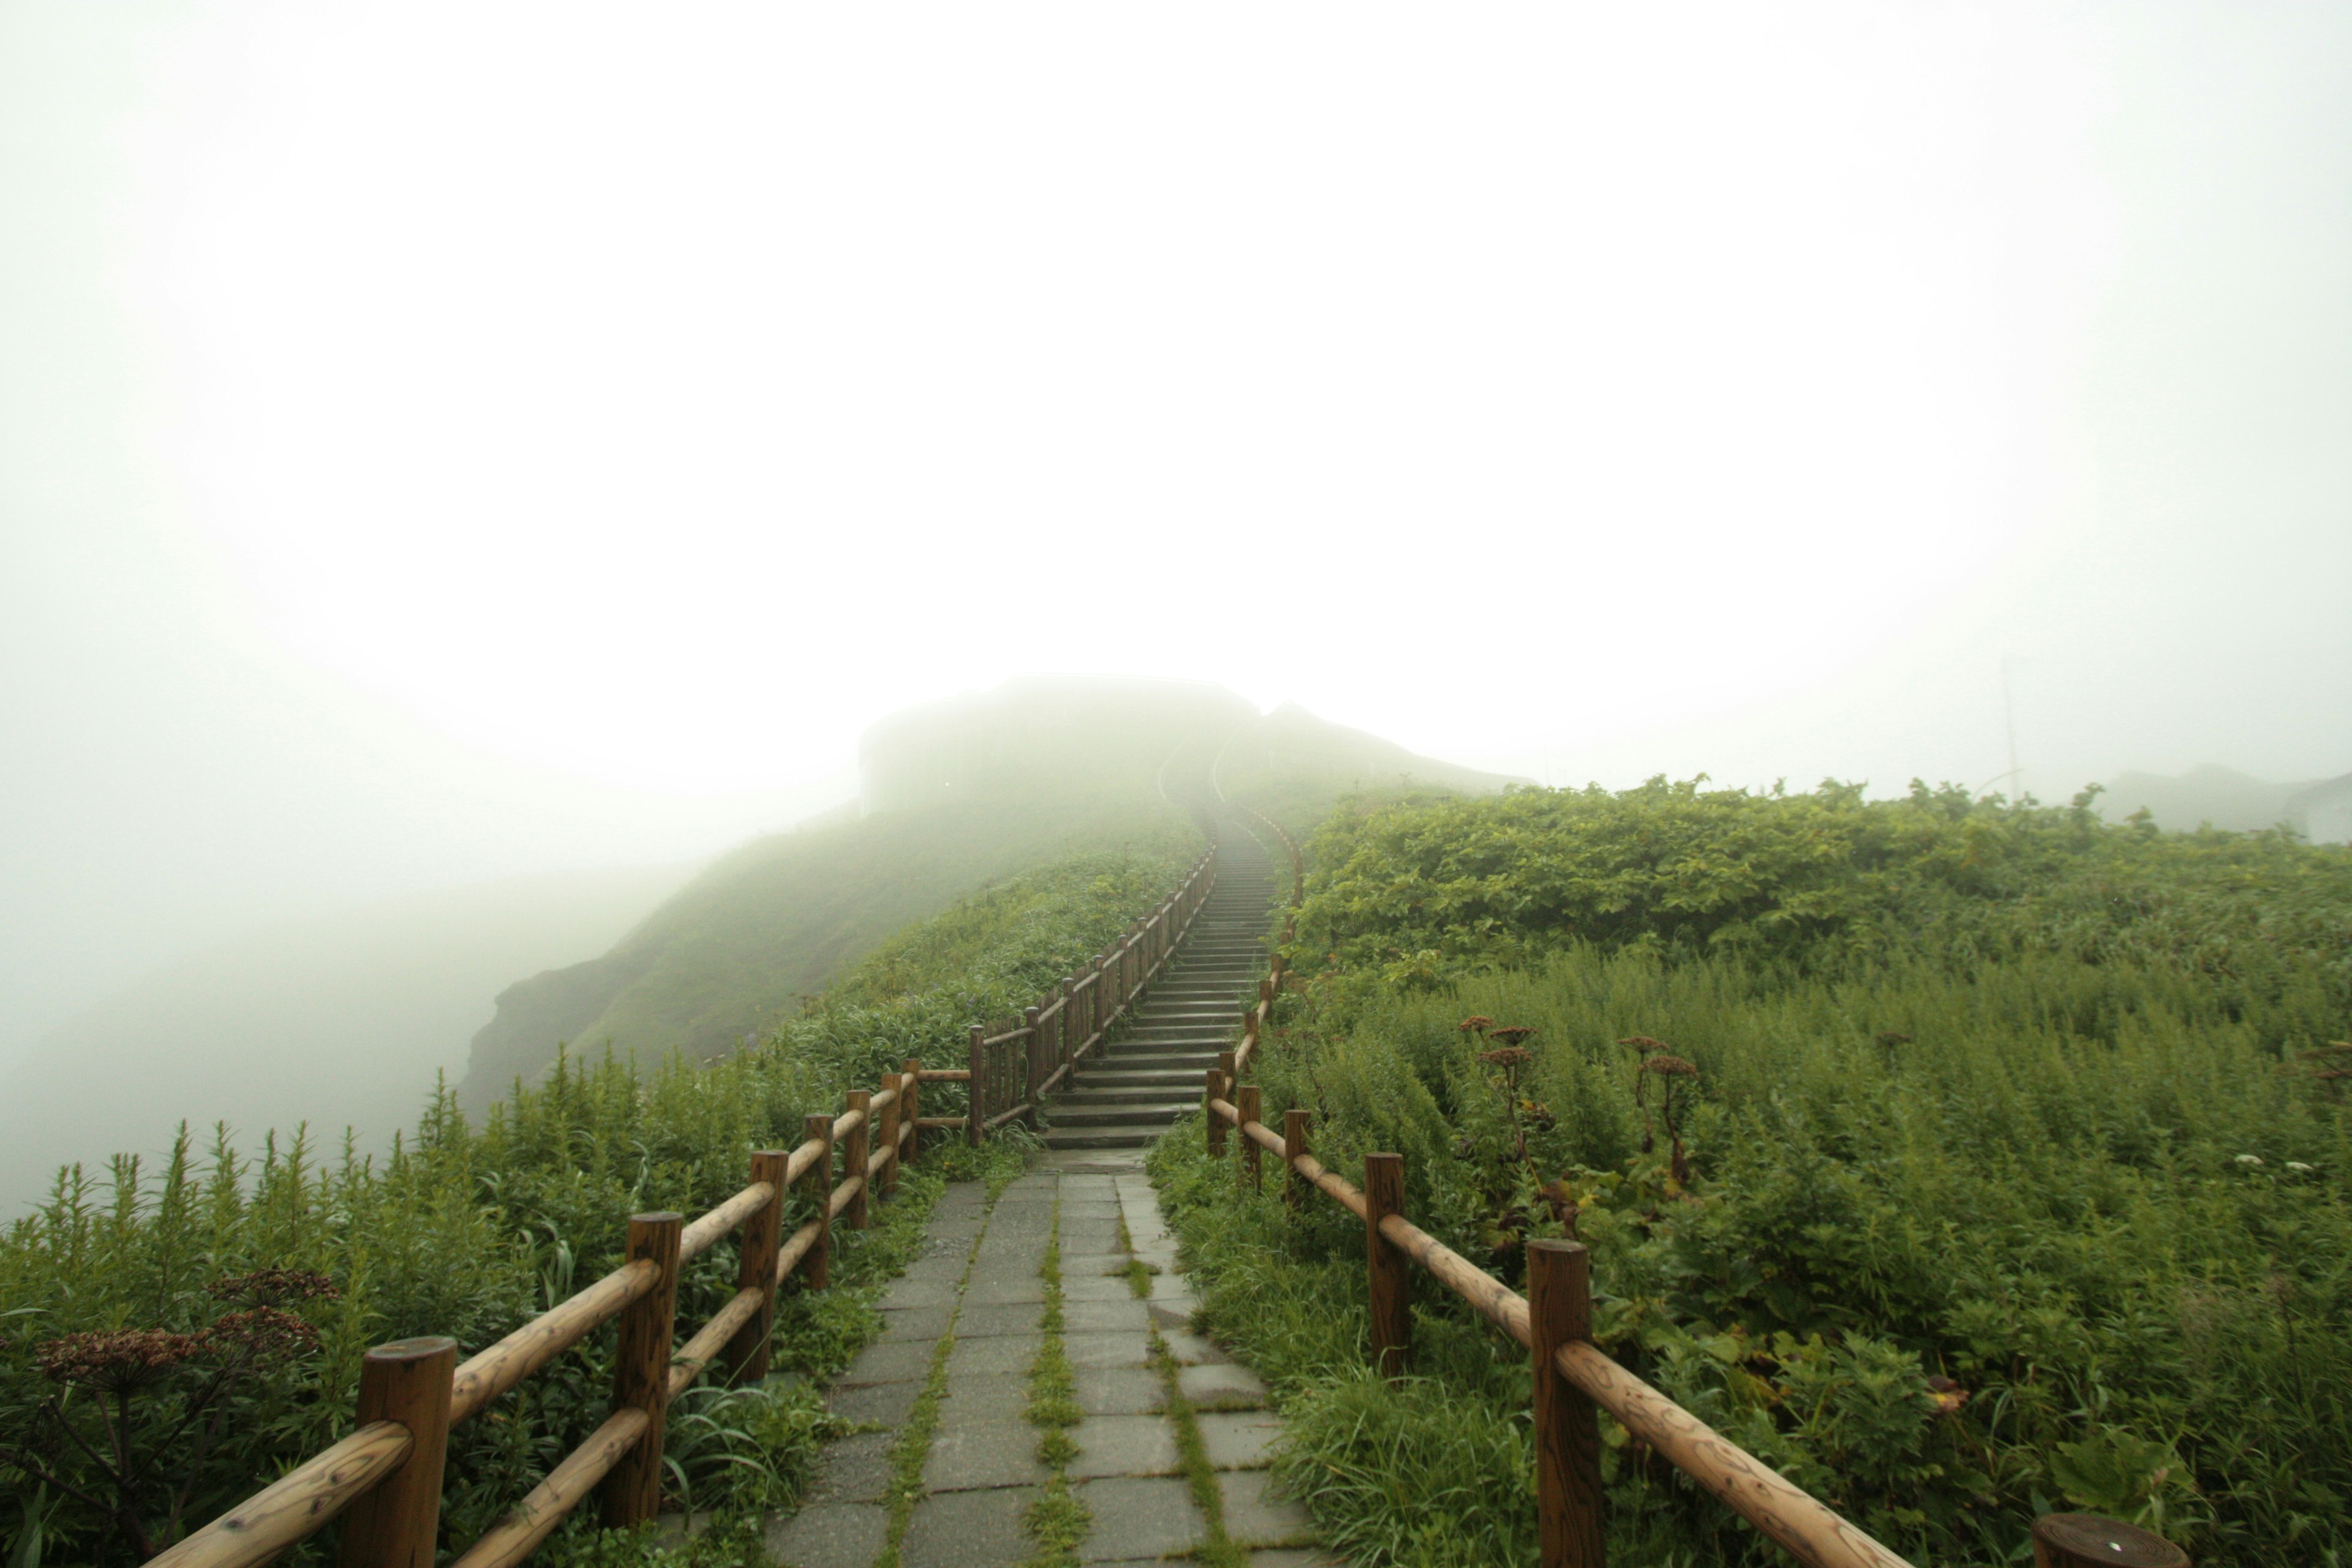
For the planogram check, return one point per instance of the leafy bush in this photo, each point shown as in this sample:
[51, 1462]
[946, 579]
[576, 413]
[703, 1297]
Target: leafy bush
[471, 1230]
[2012, 1174]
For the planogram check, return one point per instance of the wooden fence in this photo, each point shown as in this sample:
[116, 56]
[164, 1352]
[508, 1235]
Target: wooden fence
[385, 1479]
[1554, 1322]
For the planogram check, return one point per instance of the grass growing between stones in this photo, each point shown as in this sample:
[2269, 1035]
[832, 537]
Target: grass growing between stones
[1200, 1477]
[1058, 1521]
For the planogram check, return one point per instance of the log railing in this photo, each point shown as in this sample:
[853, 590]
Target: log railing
[385, 1479]
[1015, 1065]
[1573, 1376]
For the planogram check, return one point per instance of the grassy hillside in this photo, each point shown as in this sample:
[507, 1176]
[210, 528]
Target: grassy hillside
[2001, 1173]
[961, 793]
[473, 1228]
[743, 942]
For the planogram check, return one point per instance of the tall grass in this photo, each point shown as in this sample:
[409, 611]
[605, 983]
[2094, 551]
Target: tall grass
[470, 1230]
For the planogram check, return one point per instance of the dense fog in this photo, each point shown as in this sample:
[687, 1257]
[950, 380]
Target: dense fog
[450, 447]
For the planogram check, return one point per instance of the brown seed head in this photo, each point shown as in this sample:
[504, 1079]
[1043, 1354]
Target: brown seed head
[1476, 1023]
[1669, 1067]
[117, 1360]
[1644, 1044]
[1507, 1058]
[1513, 1036]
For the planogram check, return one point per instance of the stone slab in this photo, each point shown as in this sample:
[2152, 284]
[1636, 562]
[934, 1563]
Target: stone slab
[968, 1530]
[993, 1291]
[1237, 1439]
[1117, 1390]
[1093, 1317]
[998, 1453]
[1139, 1517]
[909, 1293]
[875, 1404]
[830, 1535]
[1125, 1445]
[855, 1469]
[988, 1320]
[995, 1354]
[1079, 1285]
[923, 1323]
[889, 1361]
[1222, 1386]
[1255, 1516]
[977, 1398]
[1193, 1350]
[1127, 1349]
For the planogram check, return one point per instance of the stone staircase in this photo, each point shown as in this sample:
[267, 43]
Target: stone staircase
[1126, 1094]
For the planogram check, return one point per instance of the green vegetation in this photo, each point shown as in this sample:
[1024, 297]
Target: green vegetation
[787, 916]
[1056, 1520]
[232, 1296]
[2004, 1169]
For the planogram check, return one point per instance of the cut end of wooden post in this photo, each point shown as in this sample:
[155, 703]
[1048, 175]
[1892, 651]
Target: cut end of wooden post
[2080, 1540]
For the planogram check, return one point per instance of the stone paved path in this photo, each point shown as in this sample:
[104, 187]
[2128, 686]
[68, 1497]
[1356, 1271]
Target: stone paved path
[979, 1281]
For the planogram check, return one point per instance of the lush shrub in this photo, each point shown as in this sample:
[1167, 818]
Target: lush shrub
[470, 1230]
[2004, 1188]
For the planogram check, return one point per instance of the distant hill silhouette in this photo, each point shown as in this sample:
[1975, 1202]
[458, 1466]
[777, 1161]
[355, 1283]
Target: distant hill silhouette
[956, 794]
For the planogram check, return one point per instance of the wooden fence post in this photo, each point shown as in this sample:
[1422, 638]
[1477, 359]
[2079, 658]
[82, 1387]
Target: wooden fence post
[747, 1352]
[1033, 1061]
[1294, 1145]
[816, 1266]
[893, 1110]
[632, 1488]
[1228, 1068]
[397, 1525]
[1250, 1172]
[977, 1099]
[857, 1154]
[1213, 1090]
[2079, 1540]
[1062, 1023]
[1567, 1432]
[1389, 1271]
[914, 1112]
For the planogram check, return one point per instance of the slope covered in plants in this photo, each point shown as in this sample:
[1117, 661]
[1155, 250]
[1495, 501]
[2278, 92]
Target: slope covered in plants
[1965, 1160]
[130, 1298]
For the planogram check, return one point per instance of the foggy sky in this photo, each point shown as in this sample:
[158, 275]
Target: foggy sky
[456, 442]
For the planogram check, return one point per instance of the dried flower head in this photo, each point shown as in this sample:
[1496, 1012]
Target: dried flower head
[273, 1287]
[1508, 1057]
[116, 1359]
[1476, 1023]
[1891, 1037]
[1670, 1066]
[1643, 1044]
[1514, 1035]
[261, 1334]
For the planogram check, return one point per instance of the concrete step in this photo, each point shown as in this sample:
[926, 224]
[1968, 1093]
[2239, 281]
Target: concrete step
[1145, 1114]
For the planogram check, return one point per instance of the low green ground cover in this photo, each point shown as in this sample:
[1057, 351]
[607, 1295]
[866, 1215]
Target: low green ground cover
[2002, 1172]
[238, 1291]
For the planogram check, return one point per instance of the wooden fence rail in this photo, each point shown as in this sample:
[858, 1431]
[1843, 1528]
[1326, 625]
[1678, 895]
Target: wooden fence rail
[1573, 1376]
[385, 1479]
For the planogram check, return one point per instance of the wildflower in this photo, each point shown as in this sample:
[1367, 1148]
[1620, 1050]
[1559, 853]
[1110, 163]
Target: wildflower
[262, 1333]
[1644, 1044]
[1476, 1023]
[1511, 1036]
[2299, 1167]
[1670, 1066]
[274, 1288]
[2249, 1161]
[117, 1360]
[1510, 1058]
